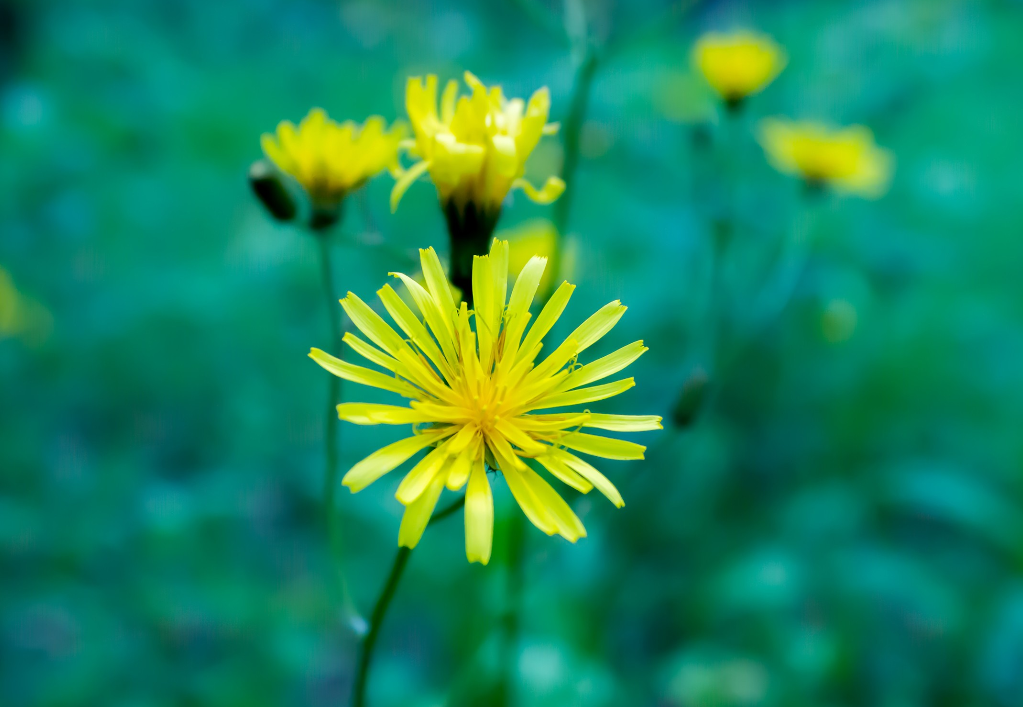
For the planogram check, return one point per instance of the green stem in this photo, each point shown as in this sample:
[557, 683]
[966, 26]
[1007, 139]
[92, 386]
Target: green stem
[380, 610]
[585, 69]
[330, 441]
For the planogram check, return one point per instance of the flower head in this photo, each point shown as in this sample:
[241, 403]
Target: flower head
[845, 159]
[474, 383]
[738, 64]
[475, 149]
[330, 159]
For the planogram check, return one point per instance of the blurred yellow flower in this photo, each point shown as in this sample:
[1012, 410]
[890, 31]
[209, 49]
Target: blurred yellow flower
[473, 389]
[845, 159]
[738, 64]
[476, 148]
[330, 159]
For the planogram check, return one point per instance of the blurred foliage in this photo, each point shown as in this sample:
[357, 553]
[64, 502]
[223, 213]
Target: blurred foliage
[841, 524]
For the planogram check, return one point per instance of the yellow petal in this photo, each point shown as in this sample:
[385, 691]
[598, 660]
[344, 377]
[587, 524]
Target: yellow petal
[369, 352]
[564, 474]
[431, 312]
[547, 317]
[584, 395]
[604, 367]
[421, 476]
[568, 524]
[372, 325]
[600, 322]
[461, 467]
[417, 514]
[413, 328]
[363, 376]
[384, 460]
[479, 515]
[405, 181]
[552, 189]
[588, 472]
[373, 414]
[605, 447]
[624, 423]
[439, 286]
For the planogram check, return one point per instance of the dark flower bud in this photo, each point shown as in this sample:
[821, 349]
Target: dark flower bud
[267, 186]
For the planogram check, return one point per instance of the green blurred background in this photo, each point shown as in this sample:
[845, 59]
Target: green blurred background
[841, 523]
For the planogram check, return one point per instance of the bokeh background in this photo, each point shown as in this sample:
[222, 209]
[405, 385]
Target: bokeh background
[839, 520]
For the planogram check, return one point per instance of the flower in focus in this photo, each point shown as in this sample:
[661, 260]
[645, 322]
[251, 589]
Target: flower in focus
[738, 64]
[475, 384]
[330, 159]
[475, 149]
[845, 159]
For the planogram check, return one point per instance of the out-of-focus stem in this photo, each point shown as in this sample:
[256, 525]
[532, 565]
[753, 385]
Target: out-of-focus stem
[586, 67]
[330, 435]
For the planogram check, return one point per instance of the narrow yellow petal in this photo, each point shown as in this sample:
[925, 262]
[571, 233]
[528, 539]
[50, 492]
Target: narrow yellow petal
[599, 323]
[547, 317]
[588, 472]
[372, 325]
[604, 367]
[461, 467]
[564, 474]
[585, 395]
[605, 447]
[421, 475]
[568, 524]
[624, 423]
[363, 376]
[511, 432]
[417, 514]
[414, 329]
[439, 286]
[431, 312]
[549, 193]
[405, 181]
[384, 460]
[374, 414]
[370, 353]
[479, 515]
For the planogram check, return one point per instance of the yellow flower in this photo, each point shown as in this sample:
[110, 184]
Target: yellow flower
[330, 159]
[474, 382]
[846, 159]
[476, 148]
[738, 64]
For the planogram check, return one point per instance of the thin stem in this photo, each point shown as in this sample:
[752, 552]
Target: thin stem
[380, 610]
[330, 441]
[586, 67]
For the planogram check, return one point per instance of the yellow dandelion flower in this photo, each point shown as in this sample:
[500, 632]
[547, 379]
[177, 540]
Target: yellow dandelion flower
[475, 148]
[738, 64]
[845, 159]
[330, 159]
[474, 384]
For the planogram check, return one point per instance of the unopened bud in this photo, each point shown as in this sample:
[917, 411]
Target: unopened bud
[267, 186]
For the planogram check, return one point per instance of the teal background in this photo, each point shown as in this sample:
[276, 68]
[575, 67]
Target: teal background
[841, 524]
